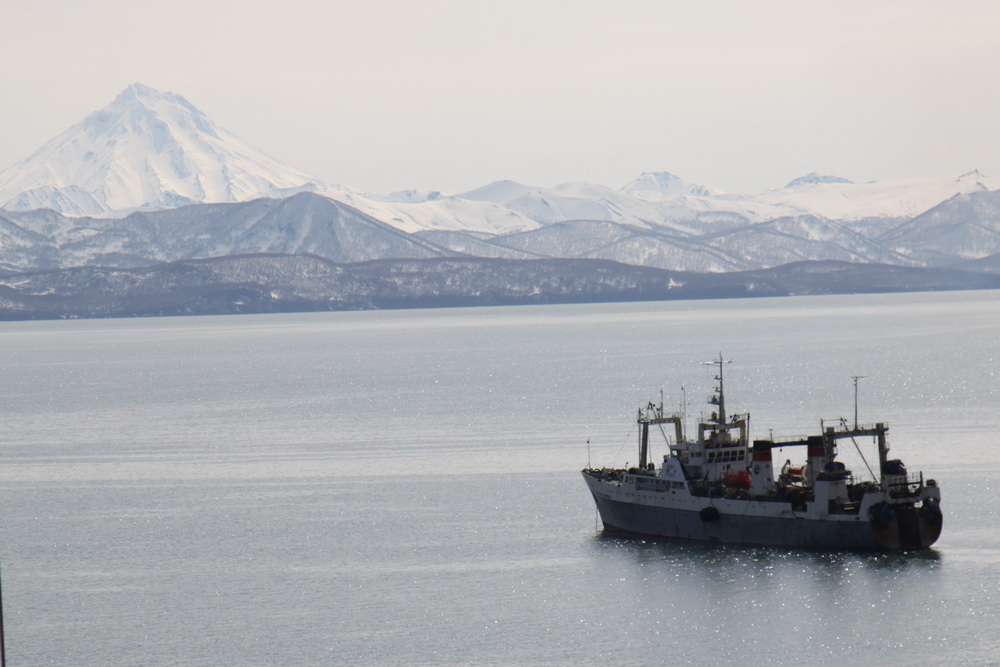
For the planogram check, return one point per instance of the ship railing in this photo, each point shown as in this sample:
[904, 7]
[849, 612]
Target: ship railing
[904, 486]
[606, 474]
[859, 430]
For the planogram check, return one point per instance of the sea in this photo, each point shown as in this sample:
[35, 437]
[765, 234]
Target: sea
[403, 487]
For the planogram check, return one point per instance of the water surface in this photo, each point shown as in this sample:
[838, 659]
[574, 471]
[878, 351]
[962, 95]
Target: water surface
[403, 488]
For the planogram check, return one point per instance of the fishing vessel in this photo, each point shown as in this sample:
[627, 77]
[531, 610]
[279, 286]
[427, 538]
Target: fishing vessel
[718, 487]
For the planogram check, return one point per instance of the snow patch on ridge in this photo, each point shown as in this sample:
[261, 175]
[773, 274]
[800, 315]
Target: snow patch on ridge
[659, 185]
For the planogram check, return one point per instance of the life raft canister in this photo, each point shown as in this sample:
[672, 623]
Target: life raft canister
[737, 480]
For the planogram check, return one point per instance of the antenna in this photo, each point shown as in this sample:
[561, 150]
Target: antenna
[720, 363]
[684, 412]
[856, 378]
[3, 649]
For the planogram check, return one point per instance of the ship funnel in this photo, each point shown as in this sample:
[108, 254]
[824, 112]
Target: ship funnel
[762, 468]
[817, 457]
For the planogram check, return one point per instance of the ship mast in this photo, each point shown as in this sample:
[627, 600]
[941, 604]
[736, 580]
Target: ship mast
[720, 398]
[856, 378]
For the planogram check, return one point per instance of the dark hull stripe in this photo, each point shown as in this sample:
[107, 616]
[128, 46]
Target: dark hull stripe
[909, 531]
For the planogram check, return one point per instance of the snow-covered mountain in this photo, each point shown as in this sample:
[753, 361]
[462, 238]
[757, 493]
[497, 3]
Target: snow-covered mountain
[149, 151]
[146, 149]
[965, 227]
[839, 199]
[664, 201]
[153, 150]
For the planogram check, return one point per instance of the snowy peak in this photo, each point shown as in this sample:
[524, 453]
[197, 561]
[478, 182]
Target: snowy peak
[497, 192]
[150, 97]
[139, 108]
[815, 179]
[976, 179]
[659, 185]
[147, 149]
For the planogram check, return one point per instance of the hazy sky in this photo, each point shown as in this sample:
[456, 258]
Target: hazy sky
[385, 94]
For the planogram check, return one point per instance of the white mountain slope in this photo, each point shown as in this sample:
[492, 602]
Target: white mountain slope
[151, 150]
[830, 197]
[662, 200]
[674, 208]
[445, 213]
[660, 185]
[839, 199]
[146, 149]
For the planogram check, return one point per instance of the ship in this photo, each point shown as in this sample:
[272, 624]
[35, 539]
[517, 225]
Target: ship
[717, 487]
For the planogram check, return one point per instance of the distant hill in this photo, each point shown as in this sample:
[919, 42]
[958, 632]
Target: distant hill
[285, 283]
[966, 226]
[303, 223]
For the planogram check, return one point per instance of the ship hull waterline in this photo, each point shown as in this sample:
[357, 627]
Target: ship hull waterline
[909, 529]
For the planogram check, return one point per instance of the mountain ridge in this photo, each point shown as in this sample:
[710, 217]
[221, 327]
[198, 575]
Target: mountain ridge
[964, 227]
[152, 150]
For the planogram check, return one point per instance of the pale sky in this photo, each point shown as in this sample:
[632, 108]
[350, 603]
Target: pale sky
[449, 95]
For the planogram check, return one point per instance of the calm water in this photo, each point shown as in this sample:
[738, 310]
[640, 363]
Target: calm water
[403, 487]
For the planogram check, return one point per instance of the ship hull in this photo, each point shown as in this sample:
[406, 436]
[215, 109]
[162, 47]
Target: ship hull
[719, 488]
[909, 528]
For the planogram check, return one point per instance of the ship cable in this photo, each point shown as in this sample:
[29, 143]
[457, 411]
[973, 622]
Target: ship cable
[858, 447]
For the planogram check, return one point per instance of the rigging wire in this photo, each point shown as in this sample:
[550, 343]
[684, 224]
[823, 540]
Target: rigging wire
[843, 423]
